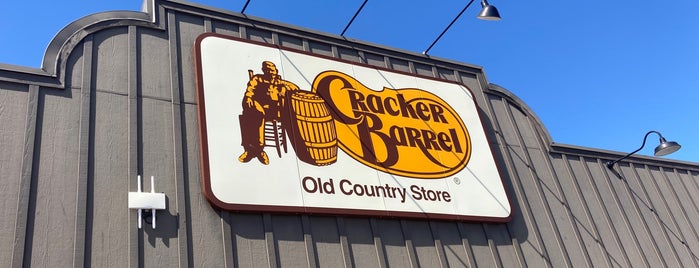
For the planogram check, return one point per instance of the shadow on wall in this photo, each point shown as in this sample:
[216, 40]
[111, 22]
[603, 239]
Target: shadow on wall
[391, 236]
[166, 225]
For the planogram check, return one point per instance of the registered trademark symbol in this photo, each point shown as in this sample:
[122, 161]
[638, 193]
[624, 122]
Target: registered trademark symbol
[457, 180]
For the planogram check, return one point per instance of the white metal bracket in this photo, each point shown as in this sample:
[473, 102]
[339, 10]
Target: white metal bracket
[146, 200]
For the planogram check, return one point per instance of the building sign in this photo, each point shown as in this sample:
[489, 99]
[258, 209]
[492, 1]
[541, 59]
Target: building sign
[286, 131]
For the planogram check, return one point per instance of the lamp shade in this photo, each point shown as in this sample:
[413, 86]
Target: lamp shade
[488, 12]
[666, 147]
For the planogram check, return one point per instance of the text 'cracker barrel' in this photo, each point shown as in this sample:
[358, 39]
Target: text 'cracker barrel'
[312, 129]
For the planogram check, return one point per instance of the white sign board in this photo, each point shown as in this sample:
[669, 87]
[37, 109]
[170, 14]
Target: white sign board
[287, 131]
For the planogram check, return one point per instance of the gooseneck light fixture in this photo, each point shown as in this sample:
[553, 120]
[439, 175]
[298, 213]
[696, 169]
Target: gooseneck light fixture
[488, 12]
[665, 148]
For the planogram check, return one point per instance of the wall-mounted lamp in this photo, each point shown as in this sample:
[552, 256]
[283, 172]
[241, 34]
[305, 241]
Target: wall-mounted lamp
[665, 148]
[488, 12]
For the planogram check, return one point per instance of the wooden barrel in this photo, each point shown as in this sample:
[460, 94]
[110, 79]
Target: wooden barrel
[312, 130]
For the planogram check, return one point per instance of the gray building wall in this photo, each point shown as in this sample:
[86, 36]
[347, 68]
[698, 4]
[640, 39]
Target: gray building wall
[116, 98]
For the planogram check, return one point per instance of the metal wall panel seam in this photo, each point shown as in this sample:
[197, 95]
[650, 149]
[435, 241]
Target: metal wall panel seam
[435, 73]
[411, 67]
[508, 165]
[181, 199]
[679, 203]
[378, 245]
[229, 244]
[590, 220]
[657, 219]
[581, 200]
[439, 247]
[387, 62]
[306, 46]
[242, 31]
[594, 221]
[272, 256]
[362, 57]
[516, 179]
[516, 245]
[666, 208]
[559, 192]
[497, 260]
[695, 182]
[311, 252]
[625, 216]
[681, 236]
[81, 218]
[691, 196]
[344, 244]
[569, 213]
[135, 258]
[26, 175]
[689, 193]
[466, 244]
[275, 39]
[335, 52]
[536, 181]
[409, 247]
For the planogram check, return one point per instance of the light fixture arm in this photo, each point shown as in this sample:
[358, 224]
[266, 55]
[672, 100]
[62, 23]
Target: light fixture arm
[448, 26]
[664, 148]
[242, 11]
[353, 17]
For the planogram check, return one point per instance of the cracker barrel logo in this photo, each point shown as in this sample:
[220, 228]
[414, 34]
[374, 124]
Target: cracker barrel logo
[408, 132]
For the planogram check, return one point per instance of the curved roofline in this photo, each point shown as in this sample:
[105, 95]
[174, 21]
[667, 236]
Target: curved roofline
[67, 38]
[52, 71]
[523, 106]
[582, 150]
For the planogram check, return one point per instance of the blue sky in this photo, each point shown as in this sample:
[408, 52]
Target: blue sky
[598, 74]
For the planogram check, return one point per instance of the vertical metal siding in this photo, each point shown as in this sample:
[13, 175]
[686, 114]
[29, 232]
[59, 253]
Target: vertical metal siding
[71, 152]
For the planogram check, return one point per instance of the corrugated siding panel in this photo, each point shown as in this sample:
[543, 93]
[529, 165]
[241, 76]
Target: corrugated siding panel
[349, 54]
[248, 245]
[420, 237]
[518, 164]
[188, 28]
[478, 244]
[225, 28]
[205, 224]
[399, 64]
[289, 241]
[565, 206]
[70, 156]
[321, 48]
[14, 106]
[656, 231]
[110, 52]
[51, 224]
[326, 241]
[375, 60]
[107, 221]
[392, 241]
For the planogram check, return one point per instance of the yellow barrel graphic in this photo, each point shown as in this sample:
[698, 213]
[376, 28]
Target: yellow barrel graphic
[312, 129]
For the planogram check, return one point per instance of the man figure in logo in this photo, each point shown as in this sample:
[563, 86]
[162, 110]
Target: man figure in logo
[263, 101]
